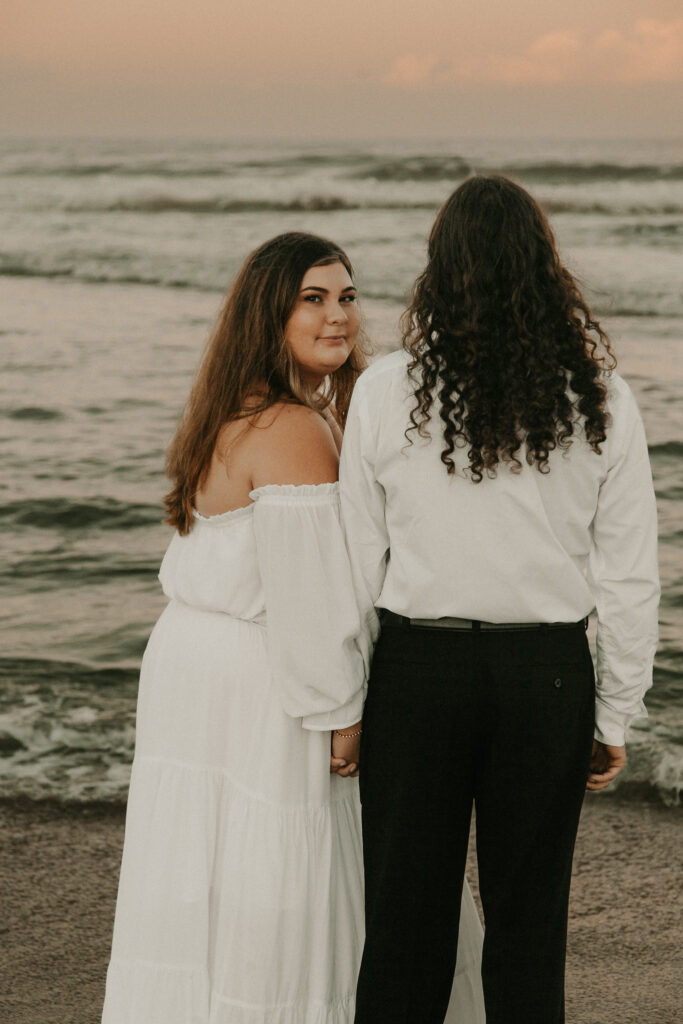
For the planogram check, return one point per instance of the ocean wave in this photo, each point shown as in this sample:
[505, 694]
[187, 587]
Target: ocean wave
[122, 168]
[667, 449]
[20, 670]
[217, 205]
[32, 412]
[167, 202]
[415, 168]
[164, 203]
[13, 267]
[179, 204]
[617, 209]
[67, 514]
[353, 164]
[52, 571]
[456, 168]
[654, 770]
[68, 735]
[68, 729]
[612, 310]
[20, 268]
[182, 166]
[605, 305]
[559, 172]
[653, 234]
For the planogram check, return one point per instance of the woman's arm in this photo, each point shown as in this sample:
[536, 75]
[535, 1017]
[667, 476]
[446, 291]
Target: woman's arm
[312, 615]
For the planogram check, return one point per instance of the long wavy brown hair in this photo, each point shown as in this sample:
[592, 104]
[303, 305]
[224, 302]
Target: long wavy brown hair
[248, 366]
[501, 337]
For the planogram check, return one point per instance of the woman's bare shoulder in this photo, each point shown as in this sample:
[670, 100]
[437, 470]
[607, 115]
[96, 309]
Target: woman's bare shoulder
[292, 444]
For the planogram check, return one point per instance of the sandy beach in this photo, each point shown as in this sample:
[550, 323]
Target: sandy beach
[58, 877]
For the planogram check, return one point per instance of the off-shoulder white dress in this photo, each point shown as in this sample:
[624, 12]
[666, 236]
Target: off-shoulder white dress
[240, 897]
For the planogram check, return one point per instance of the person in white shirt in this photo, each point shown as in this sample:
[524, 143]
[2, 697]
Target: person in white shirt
[495, 491]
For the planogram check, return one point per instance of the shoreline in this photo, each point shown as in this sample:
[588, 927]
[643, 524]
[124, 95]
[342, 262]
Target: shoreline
[59, 869]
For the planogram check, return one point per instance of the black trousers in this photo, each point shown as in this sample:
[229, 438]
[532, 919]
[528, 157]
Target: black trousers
[503, 720]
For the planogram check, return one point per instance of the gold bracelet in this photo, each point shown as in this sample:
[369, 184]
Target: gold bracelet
[348, 735]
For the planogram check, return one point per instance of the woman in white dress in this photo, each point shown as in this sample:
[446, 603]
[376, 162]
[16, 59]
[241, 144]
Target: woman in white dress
[240, 897]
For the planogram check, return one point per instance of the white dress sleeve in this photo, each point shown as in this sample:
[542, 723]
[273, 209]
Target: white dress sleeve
[312, 617]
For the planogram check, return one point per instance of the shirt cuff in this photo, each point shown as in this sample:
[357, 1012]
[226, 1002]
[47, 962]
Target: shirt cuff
[340, 718]
[610, 726]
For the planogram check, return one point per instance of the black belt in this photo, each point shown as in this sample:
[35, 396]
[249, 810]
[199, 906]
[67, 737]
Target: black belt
[388, 618]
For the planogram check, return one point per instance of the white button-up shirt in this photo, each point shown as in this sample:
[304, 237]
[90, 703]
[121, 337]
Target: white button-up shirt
[518, 547]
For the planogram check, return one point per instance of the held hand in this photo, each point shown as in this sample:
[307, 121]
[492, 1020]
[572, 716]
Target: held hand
[606, 763]
[346, 751]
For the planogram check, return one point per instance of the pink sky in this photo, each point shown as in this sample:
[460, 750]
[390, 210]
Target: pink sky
[352, 68]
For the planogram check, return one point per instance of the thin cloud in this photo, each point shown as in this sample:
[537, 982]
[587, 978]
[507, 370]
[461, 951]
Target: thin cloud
[650, 51]
[653, 52]
[414, 70]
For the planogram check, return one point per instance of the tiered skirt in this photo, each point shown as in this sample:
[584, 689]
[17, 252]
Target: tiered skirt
[240, 896]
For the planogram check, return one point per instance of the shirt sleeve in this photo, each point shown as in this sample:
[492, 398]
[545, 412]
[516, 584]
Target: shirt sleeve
[312, 618]
[624, 576]
[363, 515]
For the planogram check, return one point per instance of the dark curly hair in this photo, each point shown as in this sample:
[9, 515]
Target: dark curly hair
[499, 333]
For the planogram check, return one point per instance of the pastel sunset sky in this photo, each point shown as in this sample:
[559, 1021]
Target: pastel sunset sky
[350, 68]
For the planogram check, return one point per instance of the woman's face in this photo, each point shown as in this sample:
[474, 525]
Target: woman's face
[323, 327]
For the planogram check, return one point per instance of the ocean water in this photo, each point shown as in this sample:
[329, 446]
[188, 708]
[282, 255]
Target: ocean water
[115, 256]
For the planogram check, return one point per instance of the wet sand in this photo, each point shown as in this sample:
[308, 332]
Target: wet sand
[58, 877]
